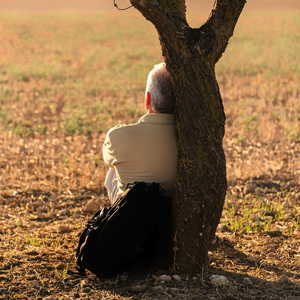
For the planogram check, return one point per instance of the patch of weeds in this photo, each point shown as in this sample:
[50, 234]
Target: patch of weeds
[72, 125]
[65, 159]
[259, 266]
[251, 124]
[5, 117]
[296, 136]
[247, 228]
[280, 213]
[41, 128]
[33, 241]
[293, 134]
[21, 129]
[240, 139]
[96, 160]
[57, 243]
[292, 228]
[64, 272]
[267, 225]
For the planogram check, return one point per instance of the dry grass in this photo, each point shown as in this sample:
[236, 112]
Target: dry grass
[66, 78]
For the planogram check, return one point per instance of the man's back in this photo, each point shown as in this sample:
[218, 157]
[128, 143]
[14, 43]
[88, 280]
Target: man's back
[145, 151]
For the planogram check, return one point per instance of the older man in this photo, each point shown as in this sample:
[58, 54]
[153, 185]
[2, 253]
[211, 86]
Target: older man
[145, 151]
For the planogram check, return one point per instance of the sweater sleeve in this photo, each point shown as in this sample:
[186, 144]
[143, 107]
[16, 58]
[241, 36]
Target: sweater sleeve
[108, 151]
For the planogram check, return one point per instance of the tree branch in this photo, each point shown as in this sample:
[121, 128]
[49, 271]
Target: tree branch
[116, 5]
[222, 21]
[164, 14]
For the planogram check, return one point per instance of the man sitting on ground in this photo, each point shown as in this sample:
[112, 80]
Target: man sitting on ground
[145, 151]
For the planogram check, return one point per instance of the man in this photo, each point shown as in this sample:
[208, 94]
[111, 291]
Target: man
[145, 151]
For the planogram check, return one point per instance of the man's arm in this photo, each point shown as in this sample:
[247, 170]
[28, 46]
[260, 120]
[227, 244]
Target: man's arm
[108, 152]
[111, 142]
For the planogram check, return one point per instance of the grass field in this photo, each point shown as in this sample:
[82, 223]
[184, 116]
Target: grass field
[66, 78]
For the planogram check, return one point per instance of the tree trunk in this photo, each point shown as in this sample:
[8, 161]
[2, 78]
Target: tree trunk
[191, 55]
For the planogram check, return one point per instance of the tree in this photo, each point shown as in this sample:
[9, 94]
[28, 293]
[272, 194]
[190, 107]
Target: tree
[190, 55]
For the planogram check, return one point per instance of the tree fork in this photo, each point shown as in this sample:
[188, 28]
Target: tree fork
[190, 55]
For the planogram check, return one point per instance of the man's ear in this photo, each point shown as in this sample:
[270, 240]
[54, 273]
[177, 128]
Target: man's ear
[148, 99]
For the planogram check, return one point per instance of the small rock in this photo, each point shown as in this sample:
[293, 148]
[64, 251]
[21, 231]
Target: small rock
[75, 216]
[222, 228]
[42, 209]
[285, 204]
[249, 189]
[12, 288]
[219, 280]
[272, 232]
[253, 244]
[268, 218]
[37, 204]
[3, 290]
[63, 228]
[176, 277]
[40, 215]
[247, 281]
[69, 283]
[257, 223]
[284, 279]
[84, 284]
[86, 290]
[34, 284]
[32, 252]
[76, 211]
[289, 216]
[76, 295]
[51, 214]
[92, 206]
[271, 213]
[251, 259]
[64, 212]
[163, 278]
[255, 218]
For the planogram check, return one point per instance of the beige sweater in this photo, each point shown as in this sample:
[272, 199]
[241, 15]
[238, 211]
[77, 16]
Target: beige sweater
[145, 151]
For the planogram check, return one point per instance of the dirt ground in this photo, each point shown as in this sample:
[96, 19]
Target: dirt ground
[40, 229]
[48, 197]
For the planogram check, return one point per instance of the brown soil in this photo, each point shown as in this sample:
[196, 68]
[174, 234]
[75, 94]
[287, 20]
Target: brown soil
[40, 227]
[46, 182]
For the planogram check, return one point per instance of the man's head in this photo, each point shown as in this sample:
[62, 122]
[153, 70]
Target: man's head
[159, 91]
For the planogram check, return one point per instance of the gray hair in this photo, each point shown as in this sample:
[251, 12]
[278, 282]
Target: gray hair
[159, 85]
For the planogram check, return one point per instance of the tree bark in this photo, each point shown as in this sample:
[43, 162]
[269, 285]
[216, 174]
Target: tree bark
[190, 55]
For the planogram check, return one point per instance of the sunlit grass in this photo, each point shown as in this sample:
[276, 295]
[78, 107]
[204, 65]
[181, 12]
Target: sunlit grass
[72, 75]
